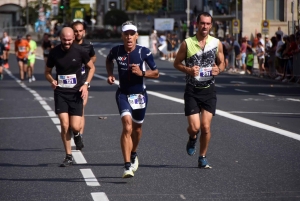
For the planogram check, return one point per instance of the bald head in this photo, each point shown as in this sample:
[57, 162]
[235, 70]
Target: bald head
[66, 31]
[67, 37]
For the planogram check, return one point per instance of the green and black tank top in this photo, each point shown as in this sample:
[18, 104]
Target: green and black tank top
[204, 58]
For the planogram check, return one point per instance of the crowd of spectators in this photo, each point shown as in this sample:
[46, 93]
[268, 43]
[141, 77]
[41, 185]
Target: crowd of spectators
[277, 56]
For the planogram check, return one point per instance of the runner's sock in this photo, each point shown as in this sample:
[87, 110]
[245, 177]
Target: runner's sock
[127, 165]
[69, 156]
[133, 154]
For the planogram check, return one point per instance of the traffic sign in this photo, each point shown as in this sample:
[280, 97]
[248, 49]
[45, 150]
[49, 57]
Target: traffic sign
[265, 26]
[235, 26]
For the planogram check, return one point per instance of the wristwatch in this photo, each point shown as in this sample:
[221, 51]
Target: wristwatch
[88, 84]
[143, 73]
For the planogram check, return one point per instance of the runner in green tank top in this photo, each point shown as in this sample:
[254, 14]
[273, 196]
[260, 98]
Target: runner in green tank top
[204, 59]
[31, 58]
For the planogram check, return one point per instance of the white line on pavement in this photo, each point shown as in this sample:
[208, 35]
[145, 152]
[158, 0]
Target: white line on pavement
[293, 99]
[78, 157]
[269, 95]
[246, 112]
[231, 116]
[99, 196]
[89, 177]
[238, 82]
[220, 86]
[240, 90]
[182, 197]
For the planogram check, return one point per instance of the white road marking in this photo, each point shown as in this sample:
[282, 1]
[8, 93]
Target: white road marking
[263, 94]
[220, 86]
[173, 76]
[240, 90]
[156, 81]
[233, 117]
[293, 99]
[89, 177]
[78, 157]
[55, 120]
[238, 82]
[161, 73]
[99, 196]
[246, 112]
[101, 53]
[182, 197]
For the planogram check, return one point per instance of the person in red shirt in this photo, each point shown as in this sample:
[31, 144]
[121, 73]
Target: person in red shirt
[22, 49]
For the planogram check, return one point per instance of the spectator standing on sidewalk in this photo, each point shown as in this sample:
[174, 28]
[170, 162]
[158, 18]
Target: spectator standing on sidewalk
[153, 41]
[243, 55]
[1, 59]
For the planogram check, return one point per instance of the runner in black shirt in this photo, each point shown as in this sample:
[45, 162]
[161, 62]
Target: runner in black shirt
[47, 46]
[70, 86]
[79, 31]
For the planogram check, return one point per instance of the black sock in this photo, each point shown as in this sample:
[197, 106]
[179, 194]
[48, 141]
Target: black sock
[127, 165]
[76, 134]
[69, 156]
[192, 139]
[133, 154]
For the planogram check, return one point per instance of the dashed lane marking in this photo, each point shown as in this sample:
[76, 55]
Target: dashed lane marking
[89, 177]
[293, 99]
[263, 94]
[240, 90]
[99, 196]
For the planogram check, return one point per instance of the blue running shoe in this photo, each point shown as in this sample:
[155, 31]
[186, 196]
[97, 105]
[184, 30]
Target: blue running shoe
[191, 146]
[202, 163]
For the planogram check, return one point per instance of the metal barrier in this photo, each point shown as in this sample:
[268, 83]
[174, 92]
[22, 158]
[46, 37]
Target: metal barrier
[296, 66]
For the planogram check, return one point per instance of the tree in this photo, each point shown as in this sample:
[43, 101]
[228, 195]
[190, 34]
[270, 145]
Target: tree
[115, 17]
[148, 6]
[33, 8]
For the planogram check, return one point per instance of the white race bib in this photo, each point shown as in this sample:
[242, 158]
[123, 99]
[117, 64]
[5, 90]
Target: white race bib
[67, 81]
[137, 101]
[22, 49]
[204, 74]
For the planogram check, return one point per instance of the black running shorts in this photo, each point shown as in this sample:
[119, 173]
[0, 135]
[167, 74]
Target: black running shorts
[196, 99]
[68, 102]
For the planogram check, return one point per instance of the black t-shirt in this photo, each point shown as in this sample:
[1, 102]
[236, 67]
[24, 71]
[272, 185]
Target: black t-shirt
[68, 67]
[89, 48]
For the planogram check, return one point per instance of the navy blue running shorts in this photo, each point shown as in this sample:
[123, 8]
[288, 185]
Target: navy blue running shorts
[137, 115]
[68, 102]
[196, 99]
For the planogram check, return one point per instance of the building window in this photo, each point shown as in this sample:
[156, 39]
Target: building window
[275, 10]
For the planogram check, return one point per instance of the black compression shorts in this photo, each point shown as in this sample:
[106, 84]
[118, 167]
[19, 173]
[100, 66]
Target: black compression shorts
[196, 99]
[68, 102]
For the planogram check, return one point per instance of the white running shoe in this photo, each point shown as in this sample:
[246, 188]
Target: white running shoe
[285, 80]
[30, 80]
[278, 78]
[135, 164]
[242, 72]
[128, 173]
[33, 78]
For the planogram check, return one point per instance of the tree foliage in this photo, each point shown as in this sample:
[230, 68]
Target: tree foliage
[33, 11]
[148, 6]
[115, 17]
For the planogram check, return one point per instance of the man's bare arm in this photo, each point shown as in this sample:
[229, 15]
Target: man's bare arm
[220, 57]
[180, 57]
[93, 58]
[109, 67]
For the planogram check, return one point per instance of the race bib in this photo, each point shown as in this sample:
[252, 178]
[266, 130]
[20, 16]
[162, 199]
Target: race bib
[67, 81]
[137, 101]
[22, 49]
[82, 69]
[204, 74]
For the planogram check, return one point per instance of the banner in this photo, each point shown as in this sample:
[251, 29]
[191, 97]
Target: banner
[164, 24]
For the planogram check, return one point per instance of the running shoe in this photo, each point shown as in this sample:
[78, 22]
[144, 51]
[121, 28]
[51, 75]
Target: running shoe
[67, 162]
[29, 80]
[128, 172]
[33, 78]
[78, 141]
[191, 146]
[202, 163]
[134, 163]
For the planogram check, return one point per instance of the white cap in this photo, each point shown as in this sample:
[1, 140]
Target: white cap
[129, 27]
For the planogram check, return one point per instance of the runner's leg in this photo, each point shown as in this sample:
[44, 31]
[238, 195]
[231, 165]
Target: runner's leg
[206, 118]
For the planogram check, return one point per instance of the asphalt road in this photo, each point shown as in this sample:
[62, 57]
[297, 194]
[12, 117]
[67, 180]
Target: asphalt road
[254, 150]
